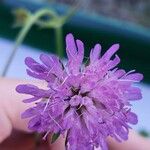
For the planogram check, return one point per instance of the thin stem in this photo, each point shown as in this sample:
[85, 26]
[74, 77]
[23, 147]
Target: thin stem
[59, 41]
[19, 40]
[30, 21]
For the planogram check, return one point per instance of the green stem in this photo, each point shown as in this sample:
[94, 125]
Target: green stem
[19, 40]
[30, 21]
[59, 41]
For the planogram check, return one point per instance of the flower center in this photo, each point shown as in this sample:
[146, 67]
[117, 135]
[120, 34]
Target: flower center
[76, 100]
[76, 91]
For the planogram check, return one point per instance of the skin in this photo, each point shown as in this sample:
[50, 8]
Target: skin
[15, 135]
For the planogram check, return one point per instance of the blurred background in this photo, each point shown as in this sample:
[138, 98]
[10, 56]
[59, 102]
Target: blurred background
[93, 21]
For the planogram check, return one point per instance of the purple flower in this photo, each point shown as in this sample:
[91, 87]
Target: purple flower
[86, 102]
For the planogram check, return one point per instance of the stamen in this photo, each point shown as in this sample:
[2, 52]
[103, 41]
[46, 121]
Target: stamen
[44, 137]
[55, 121]
[127, 80]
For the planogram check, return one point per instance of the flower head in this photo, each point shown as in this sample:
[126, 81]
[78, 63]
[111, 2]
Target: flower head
[86, 102]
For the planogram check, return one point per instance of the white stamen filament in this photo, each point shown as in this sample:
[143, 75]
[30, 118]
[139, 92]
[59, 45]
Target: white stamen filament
[55, 121]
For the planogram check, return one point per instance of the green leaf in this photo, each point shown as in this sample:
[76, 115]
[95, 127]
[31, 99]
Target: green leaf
[144, 133]
[55, 136]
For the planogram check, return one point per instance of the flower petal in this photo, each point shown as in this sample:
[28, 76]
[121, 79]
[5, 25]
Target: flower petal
[95, 53]
[112, 50]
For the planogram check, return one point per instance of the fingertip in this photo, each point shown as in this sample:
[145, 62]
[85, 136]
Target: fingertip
[5, 126]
